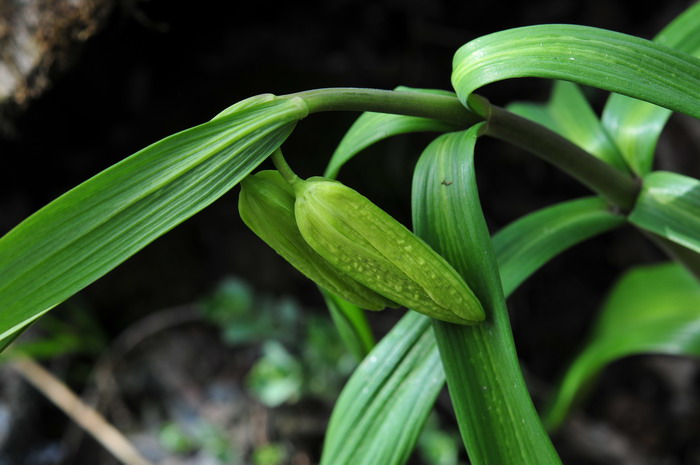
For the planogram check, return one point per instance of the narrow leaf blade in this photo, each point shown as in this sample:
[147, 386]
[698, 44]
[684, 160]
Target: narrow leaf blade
[412, 362]
[383, 408]
[527, 244]
[494, 411]
[94, 227]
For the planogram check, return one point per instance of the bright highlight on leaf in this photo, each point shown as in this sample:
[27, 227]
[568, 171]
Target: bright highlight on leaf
[91, 229]
[381, 411]
[497, 420]
[585, 55]
[635, 125]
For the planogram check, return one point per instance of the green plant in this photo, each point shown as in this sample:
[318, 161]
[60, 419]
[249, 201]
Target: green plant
[297, 360]
[91, 229]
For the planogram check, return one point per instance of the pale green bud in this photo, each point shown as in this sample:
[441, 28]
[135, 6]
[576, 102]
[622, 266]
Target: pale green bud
[266, 205]
[366, 243]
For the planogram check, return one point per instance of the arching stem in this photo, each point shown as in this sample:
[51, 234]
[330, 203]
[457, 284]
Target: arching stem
[284, 168]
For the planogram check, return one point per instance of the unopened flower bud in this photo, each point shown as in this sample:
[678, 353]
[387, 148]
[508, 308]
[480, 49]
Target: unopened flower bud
[366, 243]
[266, 205]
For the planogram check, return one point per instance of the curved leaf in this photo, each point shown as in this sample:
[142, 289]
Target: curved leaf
[595, 57]
[382, 409]
[94, 227]
[496, 417]
[669, 205]
[651, 309]
[370, 128]
[569, 114]
[525, 245]
[544, 234]
[635, 125]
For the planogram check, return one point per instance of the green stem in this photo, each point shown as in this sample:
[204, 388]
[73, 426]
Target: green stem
[284, 168]
[440, 107]
[614, 186]
[617, 188]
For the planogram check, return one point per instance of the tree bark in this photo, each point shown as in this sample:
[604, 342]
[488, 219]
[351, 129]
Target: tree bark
[39, 39]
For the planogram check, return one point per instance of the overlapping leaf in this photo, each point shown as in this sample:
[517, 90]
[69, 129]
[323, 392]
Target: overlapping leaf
[603, 220]
[367, 130]
[635, 125]
[495, 414]
[385, 398]
[94, 227]
[653, 309]
[543, 235]
[595, 57]
[669, 205]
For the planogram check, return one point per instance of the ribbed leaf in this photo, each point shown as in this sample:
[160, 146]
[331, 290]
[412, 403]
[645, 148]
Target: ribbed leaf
[527, 244]
[494, 411]
[651, 309]
[94, 227]
[669, 205]
[544, 234]
[635, 125]
[371, 127]
[569, 114]
[381, 411]
[595, 57]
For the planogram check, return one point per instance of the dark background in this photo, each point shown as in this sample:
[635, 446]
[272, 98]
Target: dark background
[158, 67]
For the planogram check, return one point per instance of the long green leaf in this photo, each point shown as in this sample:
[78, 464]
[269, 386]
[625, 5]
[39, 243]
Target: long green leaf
[94, 227]
[652, 309]
[494, 411]
[635, 125]
[380, 413]
[527, 244]
[544, 234]
[370, 128]
[595, 57]
[569, 114]
[669, 205]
